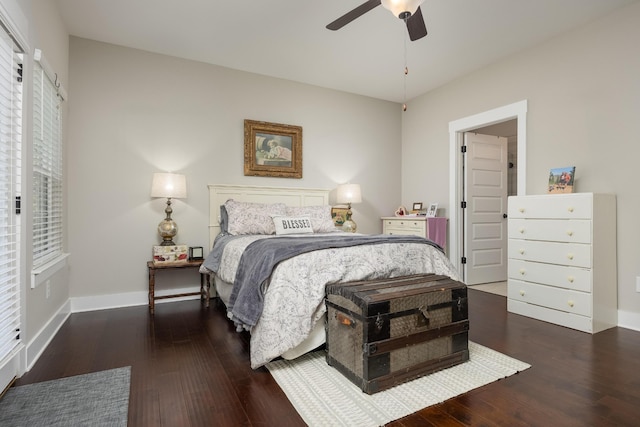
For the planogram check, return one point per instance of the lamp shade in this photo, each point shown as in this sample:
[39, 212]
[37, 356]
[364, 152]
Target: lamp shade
[399, 8]
[169, 185]
[349, 193]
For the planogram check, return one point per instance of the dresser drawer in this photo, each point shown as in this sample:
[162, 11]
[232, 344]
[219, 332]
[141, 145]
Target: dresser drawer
[553, 230]
[566, 207]
[561, 276]
[547, 296]
[570, 320]
[573, 254]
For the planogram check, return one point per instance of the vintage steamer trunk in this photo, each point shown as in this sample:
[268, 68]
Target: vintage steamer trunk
[381, 333]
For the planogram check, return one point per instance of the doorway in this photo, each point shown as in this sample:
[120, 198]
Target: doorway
[517, 112]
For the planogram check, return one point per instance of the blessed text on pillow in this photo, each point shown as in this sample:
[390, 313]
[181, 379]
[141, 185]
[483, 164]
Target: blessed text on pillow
[292, 225]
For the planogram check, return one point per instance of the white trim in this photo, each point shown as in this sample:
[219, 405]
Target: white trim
[44, 272]
[41, 340]
[517, 110]
[128, 299]
[38, 56]
[629, 320]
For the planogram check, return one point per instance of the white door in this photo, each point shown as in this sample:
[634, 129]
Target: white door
[485, 224]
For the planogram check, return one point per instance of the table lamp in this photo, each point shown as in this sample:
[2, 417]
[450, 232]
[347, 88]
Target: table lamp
[171, 186]
[349, 193]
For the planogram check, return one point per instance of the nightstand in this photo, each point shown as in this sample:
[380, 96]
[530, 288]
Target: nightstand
[204, 282]
[433, 228]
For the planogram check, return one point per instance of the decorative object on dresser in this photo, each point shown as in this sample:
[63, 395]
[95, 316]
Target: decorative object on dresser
[347, 194]
[561, 180]
[196, 253]
[401, 211]
[430, 227]
[272, 149]
[562, 259]
[417, 207]
[381, 333]
[433, 210]
[171, 186]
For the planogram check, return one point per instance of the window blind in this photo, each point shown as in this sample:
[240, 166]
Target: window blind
[47, 168]
[10, 164]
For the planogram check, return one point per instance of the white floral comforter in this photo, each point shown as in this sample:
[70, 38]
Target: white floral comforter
[294, 301]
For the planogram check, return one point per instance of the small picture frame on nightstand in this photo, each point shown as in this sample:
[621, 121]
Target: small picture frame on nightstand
[433, 210]
[196, 253]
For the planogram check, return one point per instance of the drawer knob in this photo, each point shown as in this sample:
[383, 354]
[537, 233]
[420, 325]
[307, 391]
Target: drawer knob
[401, 222]
[522, 271]
[571, 279]
[570, 209]
[570, 256]
[570, 303]
[569, 233]
[521, 210]
[521, 293]
[521, 230]
[521, 251]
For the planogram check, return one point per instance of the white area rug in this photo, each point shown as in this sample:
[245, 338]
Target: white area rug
[324, 397]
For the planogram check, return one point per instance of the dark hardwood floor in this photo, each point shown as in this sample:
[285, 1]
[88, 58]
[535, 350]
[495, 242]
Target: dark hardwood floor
[190, 368]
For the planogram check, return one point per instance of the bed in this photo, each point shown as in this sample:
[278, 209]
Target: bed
[280, 297]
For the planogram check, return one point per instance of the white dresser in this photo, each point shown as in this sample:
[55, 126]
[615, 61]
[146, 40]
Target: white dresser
[562, 259]
[413, 226]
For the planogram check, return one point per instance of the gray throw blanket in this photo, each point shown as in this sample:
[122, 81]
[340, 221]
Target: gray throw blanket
[261, 257]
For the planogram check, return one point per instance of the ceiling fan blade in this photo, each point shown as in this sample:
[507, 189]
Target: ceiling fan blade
[416, 26]
[355, 13]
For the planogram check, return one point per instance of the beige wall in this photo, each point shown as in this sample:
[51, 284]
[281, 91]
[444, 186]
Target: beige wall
[583, 93]
[133, 113]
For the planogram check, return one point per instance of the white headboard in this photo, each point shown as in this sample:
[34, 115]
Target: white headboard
[218, 194]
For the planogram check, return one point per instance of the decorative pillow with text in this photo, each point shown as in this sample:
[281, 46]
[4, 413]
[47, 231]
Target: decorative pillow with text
[292, 224]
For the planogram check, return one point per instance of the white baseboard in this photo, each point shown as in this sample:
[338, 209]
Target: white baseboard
[127, 299]
[44, 336]
[629, 320]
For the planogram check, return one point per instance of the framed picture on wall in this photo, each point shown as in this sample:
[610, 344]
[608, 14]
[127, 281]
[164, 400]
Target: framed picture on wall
[272, 149]
[433, 210]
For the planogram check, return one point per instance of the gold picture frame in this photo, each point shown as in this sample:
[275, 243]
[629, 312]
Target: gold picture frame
[272, 149]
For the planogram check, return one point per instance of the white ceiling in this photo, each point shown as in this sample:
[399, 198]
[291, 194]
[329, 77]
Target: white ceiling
[288, 38]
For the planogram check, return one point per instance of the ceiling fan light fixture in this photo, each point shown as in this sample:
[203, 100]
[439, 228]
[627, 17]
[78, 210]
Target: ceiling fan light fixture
[403, 9]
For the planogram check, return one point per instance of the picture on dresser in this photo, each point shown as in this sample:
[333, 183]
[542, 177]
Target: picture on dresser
[433, 210]
[561, 180]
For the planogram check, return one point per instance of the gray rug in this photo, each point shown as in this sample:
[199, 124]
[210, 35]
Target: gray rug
[324, 397]
[96, 399]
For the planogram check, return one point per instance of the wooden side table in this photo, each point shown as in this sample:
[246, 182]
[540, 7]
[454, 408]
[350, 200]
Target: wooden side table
[204, 282]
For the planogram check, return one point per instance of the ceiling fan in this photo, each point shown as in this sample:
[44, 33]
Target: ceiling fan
[407, 10]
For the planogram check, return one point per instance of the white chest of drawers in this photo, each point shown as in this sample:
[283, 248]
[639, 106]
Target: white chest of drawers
[410, 226]
[562, 259]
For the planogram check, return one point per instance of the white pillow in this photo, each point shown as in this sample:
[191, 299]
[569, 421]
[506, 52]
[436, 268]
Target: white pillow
[321, 220]
[252, 218]
[292, 224]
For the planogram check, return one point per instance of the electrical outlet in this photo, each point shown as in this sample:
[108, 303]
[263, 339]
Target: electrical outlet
[47, 289]
[637, 283]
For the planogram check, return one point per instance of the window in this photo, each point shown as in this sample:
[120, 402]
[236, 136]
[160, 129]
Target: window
[47, 165]
[10, 164]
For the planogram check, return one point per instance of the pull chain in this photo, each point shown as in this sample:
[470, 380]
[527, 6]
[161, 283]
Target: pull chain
[406, 69]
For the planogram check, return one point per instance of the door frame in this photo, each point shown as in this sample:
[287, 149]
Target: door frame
[457, 128]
